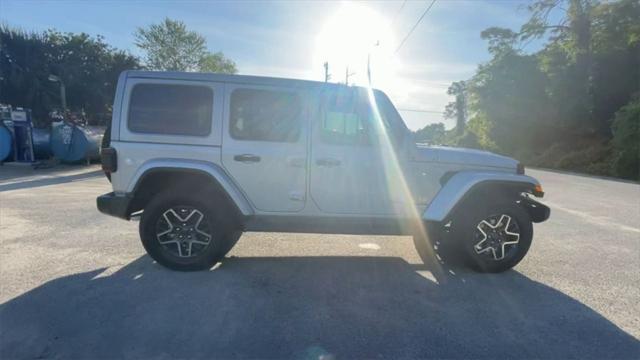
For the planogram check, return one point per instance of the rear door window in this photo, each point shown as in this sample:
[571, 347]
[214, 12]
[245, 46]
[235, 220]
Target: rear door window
[265, 115]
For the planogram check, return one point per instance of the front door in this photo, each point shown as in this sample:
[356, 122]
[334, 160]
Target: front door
[347, 175]
[264, 145]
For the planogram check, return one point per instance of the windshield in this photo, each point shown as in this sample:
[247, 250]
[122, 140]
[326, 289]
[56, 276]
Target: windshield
[349, 117]
[390, 117]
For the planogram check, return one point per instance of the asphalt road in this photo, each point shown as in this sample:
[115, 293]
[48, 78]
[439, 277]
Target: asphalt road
[77, 285]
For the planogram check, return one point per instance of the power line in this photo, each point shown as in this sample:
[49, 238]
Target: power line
[398, 12]
[422, 111]
[416, 25]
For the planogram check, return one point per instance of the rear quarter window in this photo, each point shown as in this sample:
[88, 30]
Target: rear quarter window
[171, 109]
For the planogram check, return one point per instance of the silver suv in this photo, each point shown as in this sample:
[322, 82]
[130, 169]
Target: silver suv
[204, 157]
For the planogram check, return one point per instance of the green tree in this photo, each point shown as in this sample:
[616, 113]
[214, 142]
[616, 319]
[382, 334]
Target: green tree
[24, 69]
[170, 46]
[626, 140]
[563, 105]
[87, 65]
[571, 35]
[457, 109]
[89, 68]
[431, 134]
[217, 62]
[510, 93]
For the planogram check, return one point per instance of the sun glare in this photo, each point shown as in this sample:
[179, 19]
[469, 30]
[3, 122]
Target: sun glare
[351, 36]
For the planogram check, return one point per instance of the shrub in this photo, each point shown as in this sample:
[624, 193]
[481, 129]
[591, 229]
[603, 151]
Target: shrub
[467, 140]
[592, 157]
[626, 140]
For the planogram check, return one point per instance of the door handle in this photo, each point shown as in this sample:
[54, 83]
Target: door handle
[328, 162]
[247, 158]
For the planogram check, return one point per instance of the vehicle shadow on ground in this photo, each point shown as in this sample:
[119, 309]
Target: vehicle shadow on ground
[53, 180]
[303, 307]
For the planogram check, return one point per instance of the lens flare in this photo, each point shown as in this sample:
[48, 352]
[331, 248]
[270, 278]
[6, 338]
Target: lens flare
[398, 188]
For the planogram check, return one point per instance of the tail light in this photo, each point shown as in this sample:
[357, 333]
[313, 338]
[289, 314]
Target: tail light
[109, 159]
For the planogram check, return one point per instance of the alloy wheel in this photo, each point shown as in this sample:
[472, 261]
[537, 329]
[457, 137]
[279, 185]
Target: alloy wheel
[183, 231]
[496, 237]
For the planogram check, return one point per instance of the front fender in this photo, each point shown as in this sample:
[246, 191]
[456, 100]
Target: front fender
[462, 183]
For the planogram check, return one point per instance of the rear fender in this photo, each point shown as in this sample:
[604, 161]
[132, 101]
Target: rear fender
[213, 170]
[463, 183]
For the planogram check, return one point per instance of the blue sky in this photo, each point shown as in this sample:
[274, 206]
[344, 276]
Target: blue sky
[281, 38]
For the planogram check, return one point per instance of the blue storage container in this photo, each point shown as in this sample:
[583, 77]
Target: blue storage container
[41, 143]
[20, 125]
[6, 142]
[73, 143]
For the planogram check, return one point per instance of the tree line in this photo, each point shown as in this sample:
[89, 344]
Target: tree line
[89, 67]
[574, 104]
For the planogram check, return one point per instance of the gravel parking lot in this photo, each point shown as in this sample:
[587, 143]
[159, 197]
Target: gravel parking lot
[75, 284]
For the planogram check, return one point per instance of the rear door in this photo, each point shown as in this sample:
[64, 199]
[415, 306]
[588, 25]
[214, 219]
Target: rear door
[265, 145]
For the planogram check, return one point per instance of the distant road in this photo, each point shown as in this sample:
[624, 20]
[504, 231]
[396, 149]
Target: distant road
[75, 284]
[598, 201]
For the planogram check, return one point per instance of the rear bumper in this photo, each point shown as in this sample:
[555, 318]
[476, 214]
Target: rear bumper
[538, 211]
[114, 205]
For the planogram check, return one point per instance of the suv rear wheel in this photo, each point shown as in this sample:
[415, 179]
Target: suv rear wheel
[185, 233]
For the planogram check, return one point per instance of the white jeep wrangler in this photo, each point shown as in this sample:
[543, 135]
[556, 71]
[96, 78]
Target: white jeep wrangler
[204, 157]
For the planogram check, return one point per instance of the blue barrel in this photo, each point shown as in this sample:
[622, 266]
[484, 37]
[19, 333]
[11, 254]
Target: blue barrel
[41, 143]
[73, 143]
[6, 142]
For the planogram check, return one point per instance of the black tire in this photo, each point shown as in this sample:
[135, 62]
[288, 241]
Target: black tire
[485, 258]
[106, 142]
[230, 240]
[424, 248]
[223, 235]
[438, 244]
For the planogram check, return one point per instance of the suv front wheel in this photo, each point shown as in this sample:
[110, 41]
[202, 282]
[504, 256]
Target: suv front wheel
[494, 237]
[183, 232]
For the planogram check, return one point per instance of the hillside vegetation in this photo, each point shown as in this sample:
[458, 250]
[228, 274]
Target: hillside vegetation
[574, 104]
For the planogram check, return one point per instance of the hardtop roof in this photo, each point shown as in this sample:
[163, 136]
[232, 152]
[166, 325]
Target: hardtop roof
[238, 79]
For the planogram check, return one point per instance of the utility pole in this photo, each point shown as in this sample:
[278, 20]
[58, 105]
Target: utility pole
[347, 74]
[327, 76]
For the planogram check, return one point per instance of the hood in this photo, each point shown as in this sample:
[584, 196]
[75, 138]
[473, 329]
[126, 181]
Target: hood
[462, 156]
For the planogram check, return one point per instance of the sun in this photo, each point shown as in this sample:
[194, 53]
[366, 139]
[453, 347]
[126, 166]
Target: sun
[351, 36]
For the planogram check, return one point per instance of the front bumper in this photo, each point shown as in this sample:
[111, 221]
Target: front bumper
[538, 211]
[114, 205]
